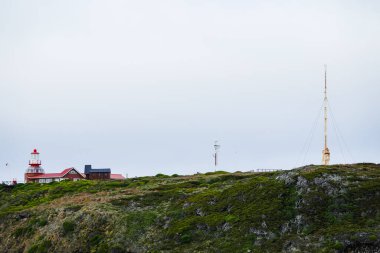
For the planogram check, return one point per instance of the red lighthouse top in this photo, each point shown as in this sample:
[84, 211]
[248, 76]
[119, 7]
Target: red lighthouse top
[35, 152]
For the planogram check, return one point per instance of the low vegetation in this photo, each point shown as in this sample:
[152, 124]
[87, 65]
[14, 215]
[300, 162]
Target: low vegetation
[310, 209]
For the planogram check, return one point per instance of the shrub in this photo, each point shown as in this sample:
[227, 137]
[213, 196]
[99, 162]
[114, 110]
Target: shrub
[68, 227]
[42, 222]
[219, 172]
[21, 231]
[371, 222]
[373, 237]
[73, 208]
[29, 229]
[41, 247]
[338, 245]
[160, 175]
[95, 239]
[186, 238]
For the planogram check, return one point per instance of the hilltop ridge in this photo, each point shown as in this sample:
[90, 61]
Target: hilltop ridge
[310, 209]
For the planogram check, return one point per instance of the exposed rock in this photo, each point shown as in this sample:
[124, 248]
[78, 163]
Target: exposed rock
[187, 204]
[299, 203]
[302, 185]
[299, 223]
[199, 212]
[288, 178]
[285, 228]
[226, 226]
[212, 202]
[23, 215]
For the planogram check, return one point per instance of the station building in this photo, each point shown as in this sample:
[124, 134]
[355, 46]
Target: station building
[36, 174]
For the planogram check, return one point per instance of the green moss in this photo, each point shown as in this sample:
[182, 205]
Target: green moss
[231, 218]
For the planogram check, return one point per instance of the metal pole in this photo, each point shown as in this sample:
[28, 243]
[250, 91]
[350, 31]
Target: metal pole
[216, 148]
[325, 107]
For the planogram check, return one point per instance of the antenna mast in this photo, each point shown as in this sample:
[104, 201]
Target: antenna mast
[216, 149]
[325, 152]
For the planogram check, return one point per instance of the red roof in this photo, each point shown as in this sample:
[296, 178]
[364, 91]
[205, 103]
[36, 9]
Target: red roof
[55, 175]
[64, 172]
[48, 175]
[117, 176]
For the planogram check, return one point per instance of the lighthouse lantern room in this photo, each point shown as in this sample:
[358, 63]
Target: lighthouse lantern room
[35, 159]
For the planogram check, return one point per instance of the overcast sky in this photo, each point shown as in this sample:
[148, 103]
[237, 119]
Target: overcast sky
[145, 87]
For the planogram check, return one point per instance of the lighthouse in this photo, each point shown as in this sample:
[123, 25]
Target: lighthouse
[34, 168]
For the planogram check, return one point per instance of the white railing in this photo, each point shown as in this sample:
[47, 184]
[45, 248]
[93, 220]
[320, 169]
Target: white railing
[264, 170]
[38, 162]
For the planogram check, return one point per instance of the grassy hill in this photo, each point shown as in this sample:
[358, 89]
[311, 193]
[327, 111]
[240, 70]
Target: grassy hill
[310, 209]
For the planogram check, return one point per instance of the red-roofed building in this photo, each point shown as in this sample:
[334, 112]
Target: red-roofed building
[36, 174]
[67, 174]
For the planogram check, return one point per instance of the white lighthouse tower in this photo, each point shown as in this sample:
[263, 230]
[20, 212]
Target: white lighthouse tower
[34, 168]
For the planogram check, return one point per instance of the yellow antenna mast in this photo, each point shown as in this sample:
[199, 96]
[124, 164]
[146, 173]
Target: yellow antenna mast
[326, 151]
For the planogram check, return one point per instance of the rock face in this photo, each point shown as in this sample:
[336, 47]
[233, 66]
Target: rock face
[309, 209]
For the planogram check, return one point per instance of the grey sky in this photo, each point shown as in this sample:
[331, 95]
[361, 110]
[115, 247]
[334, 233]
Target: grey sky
[146, 86]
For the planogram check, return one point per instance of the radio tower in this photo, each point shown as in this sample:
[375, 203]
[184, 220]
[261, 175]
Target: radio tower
[216, 149]
[326, 151]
